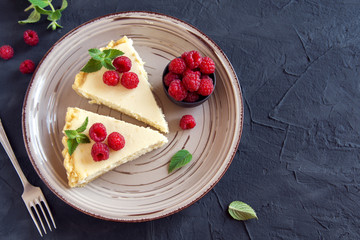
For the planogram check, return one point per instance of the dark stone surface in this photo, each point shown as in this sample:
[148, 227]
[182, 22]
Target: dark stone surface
[298, 161]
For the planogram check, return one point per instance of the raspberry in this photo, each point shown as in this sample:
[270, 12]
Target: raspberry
[6, 52]
[169, 77]
[187, 122]
[177, 66]
[27, 66]
[130, 80]
[206, 86]
[177, 90]
[97, 132]
[207, 66]
[183, 56]
[116, 141]
[193, 59]
[31, 38]
[111, 78]
[122, 64]
[100, 151]
[188, 70]
[192, 97]
[191, 82]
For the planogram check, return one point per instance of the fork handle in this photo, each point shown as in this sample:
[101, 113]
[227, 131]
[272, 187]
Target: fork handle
[5, 143]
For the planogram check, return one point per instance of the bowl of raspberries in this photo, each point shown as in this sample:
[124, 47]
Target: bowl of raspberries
[189, 80]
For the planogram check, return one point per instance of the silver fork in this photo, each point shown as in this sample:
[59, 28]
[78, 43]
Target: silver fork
[32, 196]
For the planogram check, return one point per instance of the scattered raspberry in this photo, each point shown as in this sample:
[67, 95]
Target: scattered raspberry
[187, 122]
[177, 66]
[206, 86]
[27, 66]
[122, 64]
[6, 52]
[188, 70]
[116, 141]
[191, 82]
[111, 78]
[193, 59]
[192, 97]
[169, 77]
[207, 66]
[31, 38]
[177, 90]
[100, 151]
[130, 80]
[97, 132]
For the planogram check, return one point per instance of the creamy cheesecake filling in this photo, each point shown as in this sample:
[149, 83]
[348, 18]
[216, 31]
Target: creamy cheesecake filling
[81, 168]
[138, 103]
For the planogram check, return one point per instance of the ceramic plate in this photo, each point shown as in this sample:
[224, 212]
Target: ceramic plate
[142, 189]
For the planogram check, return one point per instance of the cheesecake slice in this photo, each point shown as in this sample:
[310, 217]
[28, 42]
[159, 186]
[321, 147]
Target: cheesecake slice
[138, 103]
[80, 166]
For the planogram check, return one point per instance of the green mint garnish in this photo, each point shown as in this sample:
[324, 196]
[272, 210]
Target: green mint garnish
[39, 6]
[75, 137]
[241, 211]
[180, 159]
[101, 59]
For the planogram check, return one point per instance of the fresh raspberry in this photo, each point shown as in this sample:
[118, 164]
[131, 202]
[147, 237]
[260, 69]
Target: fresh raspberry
[97, 132]
[6, 52]
[116, 141]
[207, 66]
[206, 86]
[191, 82]
[31, 38]
[122, 64]
[100, 151]
[27, 66]
[192, 97]
[188, 70]
[177, 90]
[193, 59]
[111, 78]
[187, 122]
[130, 80]
[177, 66]
[169, 77]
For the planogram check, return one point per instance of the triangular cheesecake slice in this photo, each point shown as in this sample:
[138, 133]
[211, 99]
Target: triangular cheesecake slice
[80, 166]
[138, 103]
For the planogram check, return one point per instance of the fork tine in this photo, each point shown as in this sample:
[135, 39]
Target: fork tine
[42, 210]
[38, 215]
[42, 198]
[33, 218]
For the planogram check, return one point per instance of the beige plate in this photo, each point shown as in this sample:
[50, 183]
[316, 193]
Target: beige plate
[141, 190]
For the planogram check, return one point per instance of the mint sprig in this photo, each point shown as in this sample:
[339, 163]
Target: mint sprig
[180, 159]
[101, 59]
[38, 6]
[75, 137]
[241, 211]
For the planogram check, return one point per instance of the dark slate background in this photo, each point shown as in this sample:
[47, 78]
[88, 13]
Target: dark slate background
[298, 159]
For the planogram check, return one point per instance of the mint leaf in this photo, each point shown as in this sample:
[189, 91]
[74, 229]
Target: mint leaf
[180, 159]
[82, 138]
[92, 66]
[42, 11]
[63, 5]
[107, 63]
[83, 126]
[53, 16]
[72, 145]
[241, 211]
[33, 18]
[40, 3]
[112, 53]
[96, 54]
[71, 134]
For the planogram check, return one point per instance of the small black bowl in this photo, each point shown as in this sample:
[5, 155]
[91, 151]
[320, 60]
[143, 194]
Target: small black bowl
[201, 100]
